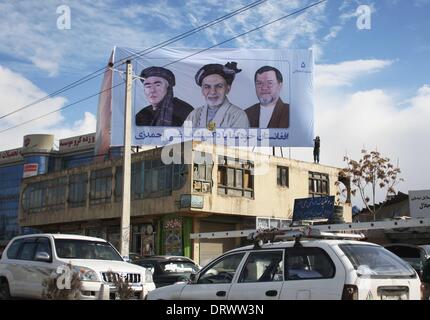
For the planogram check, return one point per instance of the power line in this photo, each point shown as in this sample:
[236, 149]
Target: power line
[138, 54]
[249, 31]
[193, 31]
[60, 109]
[186, 57]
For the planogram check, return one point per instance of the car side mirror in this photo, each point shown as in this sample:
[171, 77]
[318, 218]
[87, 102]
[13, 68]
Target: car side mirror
[126, 258]
[43, 256]
[193, 277]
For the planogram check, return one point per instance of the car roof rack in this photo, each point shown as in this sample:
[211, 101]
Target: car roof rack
[297, 233]
[315, 231]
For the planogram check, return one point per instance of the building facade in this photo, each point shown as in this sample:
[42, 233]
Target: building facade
[37, 156]
[191, 188]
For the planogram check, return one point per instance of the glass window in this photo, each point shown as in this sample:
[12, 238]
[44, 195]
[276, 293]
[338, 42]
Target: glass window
[82, 249]
[376, 262]
[308, 263]
[318, 184]
[28, 250]
[202, 177]
[78, 190]
[100, 186]
[44, 245]
[178, 267]
[235, 177]
[13, 250]
[118, 183]
[263, 267]
[221, 271]
[282, 176]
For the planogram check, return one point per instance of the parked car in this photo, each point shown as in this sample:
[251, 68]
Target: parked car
[309, 269]
[415, 255]
[132, 257]
[168, 270]
[29, 260]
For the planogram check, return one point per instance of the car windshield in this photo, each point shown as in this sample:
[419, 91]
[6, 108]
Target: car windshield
[376, 262]
[84, 249]
[179, 267]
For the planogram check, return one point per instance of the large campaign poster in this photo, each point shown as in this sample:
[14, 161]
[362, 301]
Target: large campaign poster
[241, 97]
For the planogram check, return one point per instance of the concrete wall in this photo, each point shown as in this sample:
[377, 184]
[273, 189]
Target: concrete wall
[270, 200]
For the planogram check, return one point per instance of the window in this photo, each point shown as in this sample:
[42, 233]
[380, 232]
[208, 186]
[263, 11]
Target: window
[222, 271]
[308, 263]
[44, 245]
[13, 250]
[100, 186]
[318, 184]
[263, 267]
[45, 195]
[376, 262]
[202, 177]
[118, 183]
[27, 250]
[282, 176]
[235, 177]
[55, 193]
[78, 190]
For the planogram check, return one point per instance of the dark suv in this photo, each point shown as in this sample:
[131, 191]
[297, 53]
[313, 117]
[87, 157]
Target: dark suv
[167, 270]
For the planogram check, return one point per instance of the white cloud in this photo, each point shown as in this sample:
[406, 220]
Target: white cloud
[17, 91]
[333, 33]
[350, 121]
[344, 73]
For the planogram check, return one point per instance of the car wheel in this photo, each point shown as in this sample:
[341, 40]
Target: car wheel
[4, 290]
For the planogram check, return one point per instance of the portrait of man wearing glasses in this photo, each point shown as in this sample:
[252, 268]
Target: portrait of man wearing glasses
[271, 112]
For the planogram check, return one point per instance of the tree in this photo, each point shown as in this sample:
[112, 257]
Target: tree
[373, 171]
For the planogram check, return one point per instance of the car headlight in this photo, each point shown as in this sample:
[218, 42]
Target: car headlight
[86, 274]
[148, 276]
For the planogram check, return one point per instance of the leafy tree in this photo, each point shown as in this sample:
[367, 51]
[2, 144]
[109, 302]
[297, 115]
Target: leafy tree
[371, 171]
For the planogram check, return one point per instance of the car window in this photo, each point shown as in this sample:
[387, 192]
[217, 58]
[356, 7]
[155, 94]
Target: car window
[84, 249]
[308, 263]
[376, 262]
[221, 271]
[13, 250]
[178, 267]
[28, 250]
[44, 245]
[263, 267]
[148, 265]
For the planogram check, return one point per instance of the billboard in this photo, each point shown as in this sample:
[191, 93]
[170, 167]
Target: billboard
[247, 97]
[30, 170]
[419, 203]
[314, 208]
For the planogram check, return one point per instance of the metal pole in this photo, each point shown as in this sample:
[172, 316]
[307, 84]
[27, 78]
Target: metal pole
[125, 215]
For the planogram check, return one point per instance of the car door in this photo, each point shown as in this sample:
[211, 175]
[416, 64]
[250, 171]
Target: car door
[24, 271]
[312, 273]
[41, 269]
[11, 263]
[261, 276]
[215, 280]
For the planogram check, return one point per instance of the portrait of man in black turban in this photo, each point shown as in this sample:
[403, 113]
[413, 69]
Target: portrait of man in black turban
[164, 109]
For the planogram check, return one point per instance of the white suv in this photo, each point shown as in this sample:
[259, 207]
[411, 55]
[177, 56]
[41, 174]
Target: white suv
[28, 260]
[308, 269]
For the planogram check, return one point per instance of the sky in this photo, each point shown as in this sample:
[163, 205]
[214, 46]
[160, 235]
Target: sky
[372, 86]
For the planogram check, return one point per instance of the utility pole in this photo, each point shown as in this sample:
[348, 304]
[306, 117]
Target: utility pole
[126, 166]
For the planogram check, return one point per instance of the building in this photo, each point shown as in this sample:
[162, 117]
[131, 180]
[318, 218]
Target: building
[394, 207]
[209, 188]
[37, 156]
